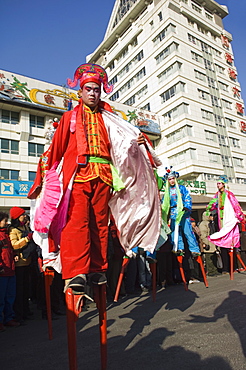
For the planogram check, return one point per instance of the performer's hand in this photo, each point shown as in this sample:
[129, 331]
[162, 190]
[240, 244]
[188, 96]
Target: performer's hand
[29, 236]
[140, 139]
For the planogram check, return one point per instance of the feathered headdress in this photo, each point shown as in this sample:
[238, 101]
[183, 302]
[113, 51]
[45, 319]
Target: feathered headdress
[170, 173]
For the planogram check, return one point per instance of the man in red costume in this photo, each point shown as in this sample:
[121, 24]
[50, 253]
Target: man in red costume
[82, 147]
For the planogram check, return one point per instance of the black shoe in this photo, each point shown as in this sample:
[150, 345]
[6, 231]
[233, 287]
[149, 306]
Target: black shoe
[97, 278]
[77, 284]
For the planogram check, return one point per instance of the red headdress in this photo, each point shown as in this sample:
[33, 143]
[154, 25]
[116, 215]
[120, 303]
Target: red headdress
[91, 73]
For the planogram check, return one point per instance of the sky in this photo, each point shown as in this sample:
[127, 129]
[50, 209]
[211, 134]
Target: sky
[48, 40]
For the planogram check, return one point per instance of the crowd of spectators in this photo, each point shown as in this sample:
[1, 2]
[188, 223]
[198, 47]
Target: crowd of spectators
[22, 277]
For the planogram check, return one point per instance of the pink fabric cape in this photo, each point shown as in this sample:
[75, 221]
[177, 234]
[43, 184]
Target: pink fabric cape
[228, 236]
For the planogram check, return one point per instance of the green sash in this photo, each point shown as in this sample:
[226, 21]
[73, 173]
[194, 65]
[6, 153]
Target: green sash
[117, 182]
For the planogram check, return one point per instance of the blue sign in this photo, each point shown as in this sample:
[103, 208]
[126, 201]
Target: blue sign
[13, 188]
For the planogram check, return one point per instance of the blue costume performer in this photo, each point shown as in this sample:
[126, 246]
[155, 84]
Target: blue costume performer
[177, 204]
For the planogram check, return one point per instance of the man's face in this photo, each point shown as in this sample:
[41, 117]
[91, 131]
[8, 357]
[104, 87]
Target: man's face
[90, 94]
[220, 186]
[171, 181]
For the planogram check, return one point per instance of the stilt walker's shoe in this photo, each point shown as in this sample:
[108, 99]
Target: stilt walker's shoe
[77, 284]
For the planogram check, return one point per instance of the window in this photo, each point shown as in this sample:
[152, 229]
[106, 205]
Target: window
[183, 156]
[111, 66]
[9, 146]
[205, 48]
[215, 101]
[123, 54]
[196, 57]
[201, 76]
[240, 180]
[176, 112]
[35, 150]
[170, 49]
[223, 86]
[203, 94]
[36, 121]
[219, 69]
[223, 140]
[218, 119]
[234, 142]
[179, 134]
[226, 161]
[129, 84]
[211, 82]
[170, 28]
[113, 80]
[214, 157]
[196, 7]
[226, 104]
[192, 39]
[172, 91]
[160, 16]
[31, 175]
[131, 100]
[169, 71]
[146, 107]
[142, 92]
[9, 174]
[230, 122]
[209, 135]
[9, 117]
[129, 66]
[207, 115]
[114, 96]
[208, 65]
[209, 16]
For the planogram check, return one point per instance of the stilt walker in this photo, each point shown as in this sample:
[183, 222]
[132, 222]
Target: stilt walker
[177, 205]
[230, 214]
[96, 160]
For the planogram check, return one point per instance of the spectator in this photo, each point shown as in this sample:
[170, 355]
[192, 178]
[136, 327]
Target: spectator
[209, 248]
[20, 236]
[7, 276]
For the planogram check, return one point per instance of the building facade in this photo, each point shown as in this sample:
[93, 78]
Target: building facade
[29, 109]
[174, 58]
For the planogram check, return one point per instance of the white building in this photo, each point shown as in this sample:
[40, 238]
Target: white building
[174, 57]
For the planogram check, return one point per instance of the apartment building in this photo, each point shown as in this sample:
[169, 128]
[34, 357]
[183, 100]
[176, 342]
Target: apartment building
[174, 58]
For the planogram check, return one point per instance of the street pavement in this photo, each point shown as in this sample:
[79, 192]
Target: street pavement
[202, 328]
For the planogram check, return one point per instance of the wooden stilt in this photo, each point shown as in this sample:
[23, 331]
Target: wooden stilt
[74, 306]
[241, 261]
[231, 264]
[48, 278]
[200, 261]
[153, 271]
[125, 262]
[180, 262]
[100, 299]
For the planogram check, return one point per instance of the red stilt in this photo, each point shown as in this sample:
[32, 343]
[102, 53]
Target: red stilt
[231, 264]
[180, 262]
[153, 271]
[125, 262]
[200, 261]
[74, 307]
[48, 278]
[100, 299]
[241, 261]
